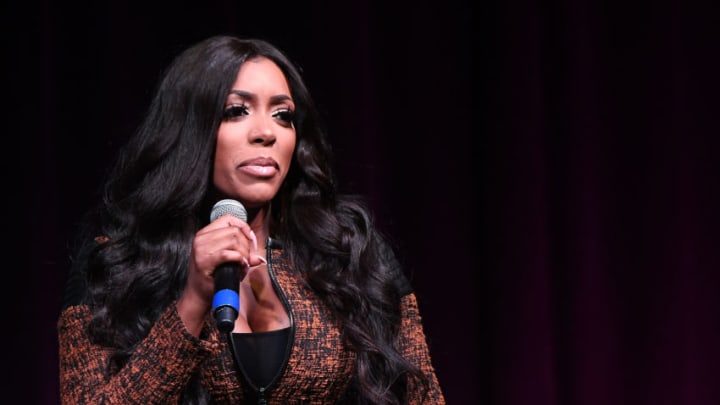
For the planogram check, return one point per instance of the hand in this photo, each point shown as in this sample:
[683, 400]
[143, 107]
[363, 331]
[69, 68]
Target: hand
[227, 239]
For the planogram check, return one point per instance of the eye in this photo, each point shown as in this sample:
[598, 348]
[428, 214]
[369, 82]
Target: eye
[285, 115]
[235, 111]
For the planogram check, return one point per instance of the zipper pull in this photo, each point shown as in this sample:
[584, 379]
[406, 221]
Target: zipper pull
[261, 398]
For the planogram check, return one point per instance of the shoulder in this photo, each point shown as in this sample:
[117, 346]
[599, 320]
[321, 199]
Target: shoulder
[387, 254]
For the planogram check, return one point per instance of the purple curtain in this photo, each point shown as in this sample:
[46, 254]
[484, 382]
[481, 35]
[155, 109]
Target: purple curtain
[600, 190]
[550, 171]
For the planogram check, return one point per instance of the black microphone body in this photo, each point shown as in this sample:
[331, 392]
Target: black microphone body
[226, 301]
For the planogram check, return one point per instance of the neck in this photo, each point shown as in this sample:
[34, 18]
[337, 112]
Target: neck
[259, 221]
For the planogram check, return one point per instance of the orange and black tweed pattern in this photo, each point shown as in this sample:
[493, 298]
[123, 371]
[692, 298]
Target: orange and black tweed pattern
[319, 368]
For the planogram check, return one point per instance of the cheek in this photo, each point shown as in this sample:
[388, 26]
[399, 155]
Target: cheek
[222, 153]
[218, 177]
[289, 151]
[221, 150]
[227, 140]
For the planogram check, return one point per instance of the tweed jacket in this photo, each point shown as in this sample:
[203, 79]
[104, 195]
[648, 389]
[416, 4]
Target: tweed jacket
[318, 366]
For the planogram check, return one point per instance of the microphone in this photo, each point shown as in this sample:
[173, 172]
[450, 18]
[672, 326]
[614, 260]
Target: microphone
[226, 301]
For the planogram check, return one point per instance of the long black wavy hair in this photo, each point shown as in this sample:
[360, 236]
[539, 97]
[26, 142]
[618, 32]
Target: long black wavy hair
[159, 193]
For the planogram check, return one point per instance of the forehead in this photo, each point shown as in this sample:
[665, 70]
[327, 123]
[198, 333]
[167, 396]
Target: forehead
[261, 72]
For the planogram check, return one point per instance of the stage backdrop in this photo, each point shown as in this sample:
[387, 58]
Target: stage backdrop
[549, 169]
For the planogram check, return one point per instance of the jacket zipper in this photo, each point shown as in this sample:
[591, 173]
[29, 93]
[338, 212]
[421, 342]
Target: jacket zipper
[291, 339]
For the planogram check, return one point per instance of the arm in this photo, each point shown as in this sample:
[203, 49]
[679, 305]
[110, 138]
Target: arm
[411, 339]
[156, 373]
[413, 346]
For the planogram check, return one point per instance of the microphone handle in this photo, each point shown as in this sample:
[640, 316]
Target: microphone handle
[226, 301]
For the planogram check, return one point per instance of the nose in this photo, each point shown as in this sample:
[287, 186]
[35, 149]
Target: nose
[262, 132]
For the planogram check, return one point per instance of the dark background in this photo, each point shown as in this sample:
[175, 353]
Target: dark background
[549, 168]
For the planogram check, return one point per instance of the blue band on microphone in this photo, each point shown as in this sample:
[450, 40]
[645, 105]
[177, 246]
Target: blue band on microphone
[226, 297]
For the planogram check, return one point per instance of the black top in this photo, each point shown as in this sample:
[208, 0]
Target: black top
[261, 354]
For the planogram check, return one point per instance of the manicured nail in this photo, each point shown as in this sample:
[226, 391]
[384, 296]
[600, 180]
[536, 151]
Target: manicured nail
[254, 239]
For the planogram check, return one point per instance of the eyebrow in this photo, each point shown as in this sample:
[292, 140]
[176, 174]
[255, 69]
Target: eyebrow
[252, 96]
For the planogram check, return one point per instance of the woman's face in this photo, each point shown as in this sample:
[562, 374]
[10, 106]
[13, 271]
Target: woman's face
[256, 138]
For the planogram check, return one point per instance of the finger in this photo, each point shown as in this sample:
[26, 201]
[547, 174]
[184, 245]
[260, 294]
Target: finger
[227, 220]
[256, 259]
[227, 244]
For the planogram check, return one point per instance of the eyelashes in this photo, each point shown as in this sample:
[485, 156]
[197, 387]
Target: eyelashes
[237, 111]
[286, 115]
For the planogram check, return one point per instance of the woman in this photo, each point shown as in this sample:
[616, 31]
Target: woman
[325, 313]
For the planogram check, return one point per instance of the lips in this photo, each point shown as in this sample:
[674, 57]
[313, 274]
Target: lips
[260, 161]
[260, 167]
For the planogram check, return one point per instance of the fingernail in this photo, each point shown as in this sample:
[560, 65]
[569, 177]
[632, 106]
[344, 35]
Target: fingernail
[262, 259]
[254, 239]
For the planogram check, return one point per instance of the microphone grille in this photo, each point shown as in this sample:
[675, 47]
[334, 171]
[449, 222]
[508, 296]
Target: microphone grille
[228, 206]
